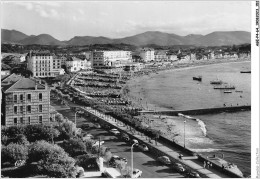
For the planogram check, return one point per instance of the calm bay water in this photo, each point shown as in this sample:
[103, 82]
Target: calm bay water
[225, 133]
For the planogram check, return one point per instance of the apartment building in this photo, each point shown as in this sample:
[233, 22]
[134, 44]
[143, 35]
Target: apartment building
[43, 64]
[103, 59]
[160, 56]
[24, 101]
[75, 64]
[147, 54]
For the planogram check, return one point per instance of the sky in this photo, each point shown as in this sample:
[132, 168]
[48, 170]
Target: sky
[117, 19]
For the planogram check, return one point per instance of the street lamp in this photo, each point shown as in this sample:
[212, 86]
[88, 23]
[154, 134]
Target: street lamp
[75, 118]
[132, 158]
[184, 131]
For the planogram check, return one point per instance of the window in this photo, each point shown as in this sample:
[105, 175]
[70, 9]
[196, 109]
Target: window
[40, 96]
[29, 97]
[15, 109]
[29, 120]
[28, 109]
[15, 98]
[21, 109]
[15, 121]
[40, 119]
[21, 97]
[40, 108]
[21, 120]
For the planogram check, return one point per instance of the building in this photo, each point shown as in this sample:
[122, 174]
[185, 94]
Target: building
[5, 70]
[24, 101]
[75, 64]
[134, 66]
[160, 56]
[43, 64]
[172, 57]
[147, 54]
[108, 59]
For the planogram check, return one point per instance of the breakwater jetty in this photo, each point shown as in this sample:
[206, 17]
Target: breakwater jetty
[198, 111]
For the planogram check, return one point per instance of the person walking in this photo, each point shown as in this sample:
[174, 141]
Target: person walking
[208, 164]
[204, 164]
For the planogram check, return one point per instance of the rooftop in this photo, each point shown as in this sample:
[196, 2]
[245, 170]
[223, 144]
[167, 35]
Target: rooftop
[18, 83]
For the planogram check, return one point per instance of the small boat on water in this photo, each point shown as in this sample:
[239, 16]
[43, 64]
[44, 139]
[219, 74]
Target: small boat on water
[239, 91]
[245, 71]
[227, 91]
[225, 87]
[198, 78]
[216, 82]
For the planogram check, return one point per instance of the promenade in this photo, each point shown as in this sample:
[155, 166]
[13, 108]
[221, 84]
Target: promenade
[200, 111]
[173, 152]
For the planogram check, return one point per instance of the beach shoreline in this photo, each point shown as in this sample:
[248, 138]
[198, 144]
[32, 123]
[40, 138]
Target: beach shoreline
[170, 126]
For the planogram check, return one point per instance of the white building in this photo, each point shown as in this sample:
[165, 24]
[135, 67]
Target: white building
[42, 64]
[147, 55]
[103, 59]
[74, 64]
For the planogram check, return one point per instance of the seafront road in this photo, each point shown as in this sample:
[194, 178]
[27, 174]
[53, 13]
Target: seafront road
[144, 161]
[192, 163]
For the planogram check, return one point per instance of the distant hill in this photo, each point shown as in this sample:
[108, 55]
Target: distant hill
[88, 40]
[225, 38]
[151, 37]
[42, 39]
[12, 36]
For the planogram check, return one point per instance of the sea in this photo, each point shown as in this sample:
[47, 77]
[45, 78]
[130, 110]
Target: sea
[227, 134]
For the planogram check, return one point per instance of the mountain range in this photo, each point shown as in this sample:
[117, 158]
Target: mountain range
[217, 38]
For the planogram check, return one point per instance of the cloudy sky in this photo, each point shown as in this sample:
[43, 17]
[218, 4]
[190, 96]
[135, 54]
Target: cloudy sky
[114, 19]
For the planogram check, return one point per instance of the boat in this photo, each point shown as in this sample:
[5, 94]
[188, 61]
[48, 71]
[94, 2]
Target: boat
[216, 82]
[227, 91]
[198, 78]
[245, 71]
[225, 87]
[239, 91]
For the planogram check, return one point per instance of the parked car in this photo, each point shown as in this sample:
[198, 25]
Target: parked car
[143, 147]
[85, 126]
[179, 167]
[112, 162]
[106, 127]
[164, 159]
[87, 136]
[134, 141]
[192, 174]
[115, 131]
[125, 137]
[136, 173]
[97, 125]
[97, 143]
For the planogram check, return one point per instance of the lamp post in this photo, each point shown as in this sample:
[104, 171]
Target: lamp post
[76, 118]
[184, 131]
[132, 159]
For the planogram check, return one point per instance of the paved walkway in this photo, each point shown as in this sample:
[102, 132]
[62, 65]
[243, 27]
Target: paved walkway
[192, 163]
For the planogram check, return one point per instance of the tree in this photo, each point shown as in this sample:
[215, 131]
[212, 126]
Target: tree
[67, 130]
[107, 155]
[4, 140]
[40, 132]
[12, 131]
[87, 161]
[57, 165]
[74, 147]
[20, 139]
[41, 150]
[14, 152]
